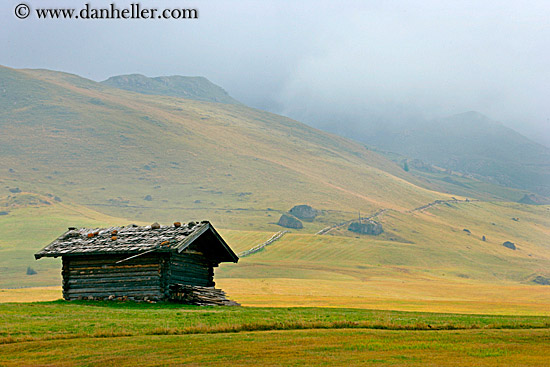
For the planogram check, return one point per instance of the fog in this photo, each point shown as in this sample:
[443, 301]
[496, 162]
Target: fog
[321, 62]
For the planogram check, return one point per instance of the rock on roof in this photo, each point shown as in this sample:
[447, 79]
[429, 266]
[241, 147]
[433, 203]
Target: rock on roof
[133, 239]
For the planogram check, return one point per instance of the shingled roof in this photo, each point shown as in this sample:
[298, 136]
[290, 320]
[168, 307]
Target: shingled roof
[136, 239]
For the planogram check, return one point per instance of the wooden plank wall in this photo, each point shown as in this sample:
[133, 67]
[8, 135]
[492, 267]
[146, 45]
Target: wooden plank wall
[99, 277]
[191, 268]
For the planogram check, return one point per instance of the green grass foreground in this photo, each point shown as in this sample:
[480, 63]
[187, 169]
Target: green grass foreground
[114, 333]
[87, 319]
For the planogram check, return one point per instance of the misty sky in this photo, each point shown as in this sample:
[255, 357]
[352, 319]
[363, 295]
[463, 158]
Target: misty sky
[313, 59]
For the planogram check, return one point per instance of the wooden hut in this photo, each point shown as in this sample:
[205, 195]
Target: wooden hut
[142, 263]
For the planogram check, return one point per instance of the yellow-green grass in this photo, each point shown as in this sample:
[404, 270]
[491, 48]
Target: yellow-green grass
[106, 148]
[84, 319]
[441, 267]
[33, 294]
[32, 225]
[296, 347]
[240, 241]
[29, 228]
[91, 333]
[383, 293]
[433, 242]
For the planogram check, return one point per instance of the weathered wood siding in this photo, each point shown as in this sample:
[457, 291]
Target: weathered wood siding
[191, 268]
[149, 276]
[100, 277]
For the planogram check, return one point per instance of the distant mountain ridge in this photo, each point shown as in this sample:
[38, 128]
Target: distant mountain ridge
[196, 88]
[469, 142]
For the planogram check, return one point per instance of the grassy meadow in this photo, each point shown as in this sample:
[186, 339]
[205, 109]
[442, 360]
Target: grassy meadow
[296, 347]
[116, 333]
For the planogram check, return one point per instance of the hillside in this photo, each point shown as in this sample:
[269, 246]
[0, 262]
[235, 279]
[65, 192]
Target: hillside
[196, 88]
[424, 262]
[78, 152]
[140, 156]
[469, 143]
[435, 265]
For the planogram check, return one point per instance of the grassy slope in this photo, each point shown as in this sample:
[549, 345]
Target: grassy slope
[108, 148]
[451, 182]
[453, 272]
[440, 267]
[30, 226]
[471, 143]
[469, 187]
